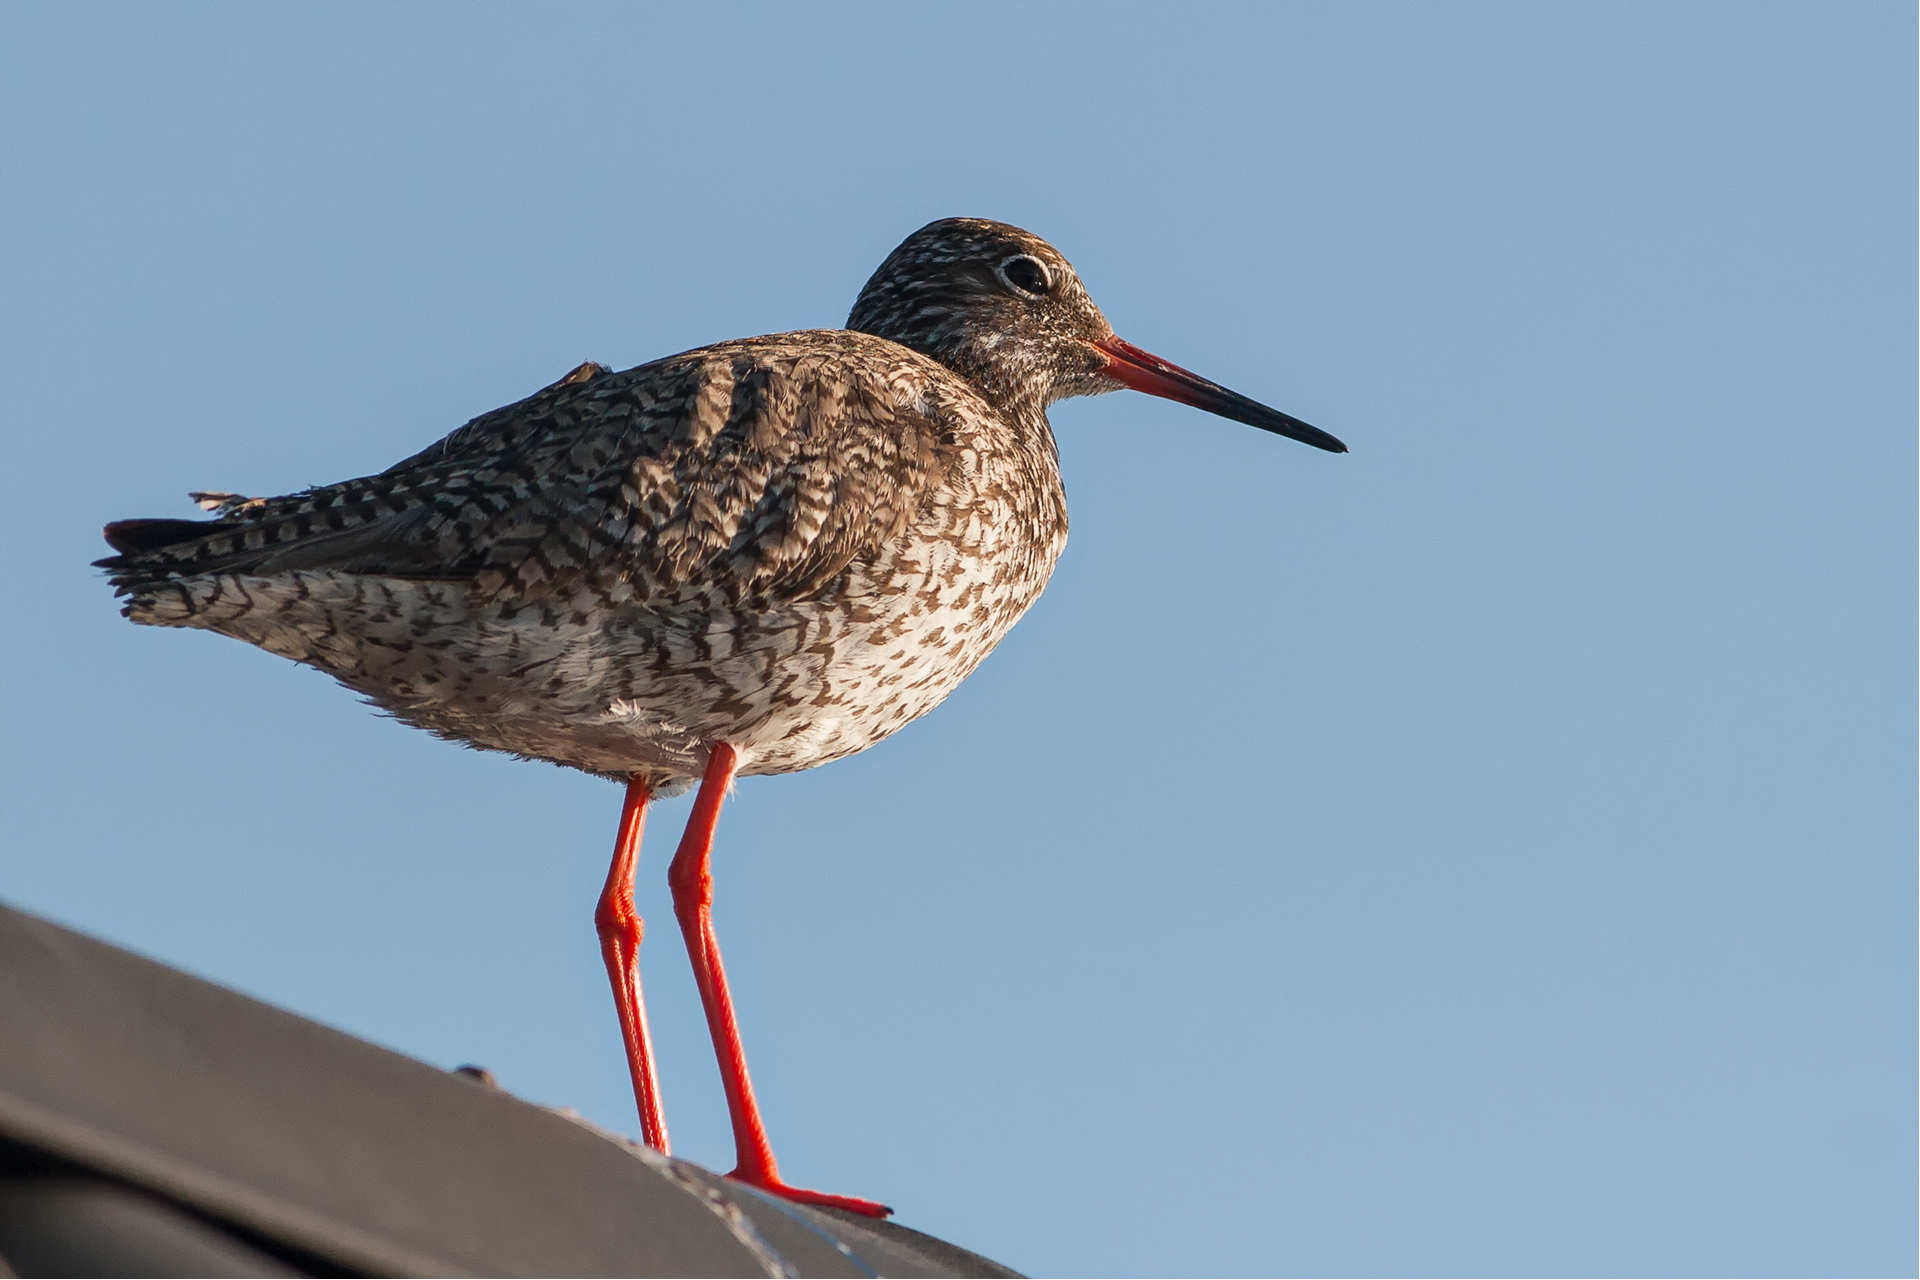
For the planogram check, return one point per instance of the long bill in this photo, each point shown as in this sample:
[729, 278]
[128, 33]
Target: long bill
[1144, 371]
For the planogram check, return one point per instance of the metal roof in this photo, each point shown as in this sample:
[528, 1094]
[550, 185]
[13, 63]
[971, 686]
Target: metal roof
[137, 1095]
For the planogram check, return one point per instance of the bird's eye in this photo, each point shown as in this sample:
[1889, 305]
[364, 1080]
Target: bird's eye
[1026, 274]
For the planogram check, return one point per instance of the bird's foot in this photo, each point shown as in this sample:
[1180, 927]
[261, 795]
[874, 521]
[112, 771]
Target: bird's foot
[800, 1195]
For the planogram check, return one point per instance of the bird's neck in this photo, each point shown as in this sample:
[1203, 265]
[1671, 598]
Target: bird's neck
[1006, 377]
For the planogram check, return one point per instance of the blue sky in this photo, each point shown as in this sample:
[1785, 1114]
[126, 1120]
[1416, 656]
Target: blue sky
[1488, 853]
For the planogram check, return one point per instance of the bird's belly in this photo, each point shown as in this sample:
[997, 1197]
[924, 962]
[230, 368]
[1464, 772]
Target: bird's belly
[618, 690]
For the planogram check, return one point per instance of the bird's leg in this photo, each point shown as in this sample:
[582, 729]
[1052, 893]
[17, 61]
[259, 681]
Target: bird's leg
[620, 930]
[691, 879]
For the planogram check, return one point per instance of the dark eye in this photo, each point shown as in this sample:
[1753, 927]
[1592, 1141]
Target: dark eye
[1025, 274]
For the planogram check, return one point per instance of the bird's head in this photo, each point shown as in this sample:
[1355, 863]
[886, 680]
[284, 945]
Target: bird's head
[1004, 309]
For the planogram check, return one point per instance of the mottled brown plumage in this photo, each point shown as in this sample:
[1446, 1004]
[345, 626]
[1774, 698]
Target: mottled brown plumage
[754, 557]
[794, 543]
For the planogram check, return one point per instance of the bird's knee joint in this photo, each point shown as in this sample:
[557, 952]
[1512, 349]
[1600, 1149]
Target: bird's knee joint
[619, 919]
[692, 885]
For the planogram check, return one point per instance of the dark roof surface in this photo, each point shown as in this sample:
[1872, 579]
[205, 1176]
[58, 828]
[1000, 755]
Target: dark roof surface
[131, 1089]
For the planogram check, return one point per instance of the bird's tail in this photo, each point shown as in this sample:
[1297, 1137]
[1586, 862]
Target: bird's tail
[160, 561]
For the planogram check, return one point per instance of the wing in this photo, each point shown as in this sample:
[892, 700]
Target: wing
[751, 471]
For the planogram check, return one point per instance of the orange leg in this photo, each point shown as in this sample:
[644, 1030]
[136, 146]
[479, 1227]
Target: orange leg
[692, 882]
[620, 930]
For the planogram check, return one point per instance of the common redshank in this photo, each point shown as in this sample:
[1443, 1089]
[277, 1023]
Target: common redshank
[751, 558]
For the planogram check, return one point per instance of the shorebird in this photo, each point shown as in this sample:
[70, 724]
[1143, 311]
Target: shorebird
[750, 558]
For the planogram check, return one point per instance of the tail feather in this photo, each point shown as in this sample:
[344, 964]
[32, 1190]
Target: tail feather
[133, 537]
[156, 554]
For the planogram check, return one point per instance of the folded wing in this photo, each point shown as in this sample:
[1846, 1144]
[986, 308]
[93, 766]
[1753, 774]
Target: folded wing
[753, 471]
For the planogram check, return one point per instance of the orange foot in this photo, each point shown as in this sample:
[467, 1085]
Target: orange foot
[800, 1195]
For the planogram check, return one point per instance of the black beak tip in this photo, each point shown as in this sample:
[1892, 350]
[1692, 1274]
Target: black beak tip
[1314, 436]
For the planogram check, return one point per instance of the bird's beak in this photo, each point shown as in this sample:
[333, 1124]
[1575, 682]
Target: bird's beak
[1144, 371]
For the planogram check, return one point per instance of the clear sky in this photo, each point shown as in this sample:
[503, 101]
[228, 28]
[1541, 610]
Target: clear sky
[1491, 852]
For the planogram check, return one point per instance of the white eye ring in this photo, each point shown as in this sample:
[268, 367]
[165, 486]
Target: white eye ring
[1046, 277]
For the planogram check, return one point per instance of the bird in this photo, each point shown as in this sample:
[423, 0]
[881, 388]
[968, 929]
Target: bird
[750, 558]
